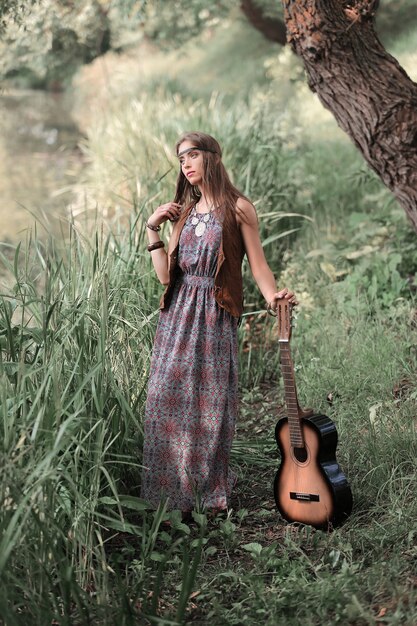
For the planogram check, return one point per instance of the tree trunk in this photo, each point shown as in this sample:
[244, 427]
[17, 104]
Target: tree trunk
[365, 88]
[272, 29]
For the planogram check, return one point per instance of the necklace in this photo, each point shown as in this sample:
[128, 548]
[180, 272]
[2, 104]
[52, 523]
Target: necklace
[199, 220]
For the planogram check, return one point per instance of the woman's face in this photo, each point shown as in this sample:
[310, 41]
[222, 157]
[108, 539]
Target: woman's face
[191, 161]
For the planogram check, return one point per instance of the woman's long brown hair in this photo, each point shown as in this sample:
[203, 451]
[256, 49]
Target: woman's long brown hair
[215, 178]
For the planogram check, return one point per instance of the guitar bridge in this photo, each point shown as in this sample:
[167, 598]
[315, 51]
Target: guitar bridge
[304, 497]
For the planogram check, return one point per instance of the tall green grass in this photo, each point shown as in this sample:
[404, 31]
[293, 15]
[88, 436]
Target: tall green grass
[77, 545]
[76, 328]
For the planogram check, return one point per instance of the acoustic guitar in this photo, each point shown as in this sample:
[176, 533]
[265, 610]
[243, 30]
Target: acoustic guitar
[309, 487]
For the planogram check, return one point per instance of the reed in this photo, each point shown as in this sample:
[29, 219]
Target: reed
[76, 329]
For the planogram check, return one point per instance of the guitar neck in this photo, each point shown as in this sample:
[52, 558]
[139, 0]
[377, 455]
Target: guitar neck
[293, 408]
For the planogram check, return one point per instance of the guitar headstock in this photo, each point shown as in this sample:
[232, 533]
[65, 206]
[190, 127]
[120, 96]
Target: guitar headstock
[284, 316]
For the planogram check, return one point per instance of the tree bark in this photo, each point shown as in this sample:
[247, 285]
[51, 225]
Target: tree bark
[272, 29]
[372, 98]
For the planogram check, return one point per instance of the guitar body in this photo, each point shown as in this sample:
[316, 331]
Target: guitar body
[310, 487]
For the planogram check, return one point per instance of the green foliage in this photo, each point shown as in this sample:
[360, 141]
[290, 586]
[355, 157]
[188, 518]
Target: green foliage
[69, 411]
[76, 328]
[77, 545]
[46, 41]
[54, 41]
[172, 24]
[14, 10]
[394, 19]
[368, 260]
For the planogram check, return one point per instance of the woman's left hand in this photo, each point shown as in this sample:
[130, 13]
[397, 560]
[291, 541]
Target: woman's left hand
[287, 294]
[283, 293]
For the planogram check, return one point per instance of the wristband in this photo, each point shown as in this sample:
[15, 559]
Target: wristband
[156, 245]
[152, 227]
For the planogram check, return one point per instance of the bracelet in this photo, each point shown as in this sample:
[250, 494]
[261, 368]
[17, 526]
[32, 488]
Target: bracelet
[271, 310]
[156, 245]
[152, 227]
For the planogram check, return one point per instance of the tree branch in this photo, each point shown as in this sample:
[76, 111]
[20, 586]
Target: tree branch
[272, 29]
[370, 95]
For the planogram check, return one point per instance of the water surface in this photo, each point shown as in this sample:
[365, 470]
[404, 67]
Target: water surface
[39, 160]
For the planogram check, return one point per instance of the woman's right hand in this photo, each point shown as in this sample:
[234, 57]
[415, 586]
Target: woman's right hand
[169, 211]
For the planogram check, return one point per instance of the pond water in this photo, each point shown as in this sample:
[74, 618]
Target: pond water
[39, 160]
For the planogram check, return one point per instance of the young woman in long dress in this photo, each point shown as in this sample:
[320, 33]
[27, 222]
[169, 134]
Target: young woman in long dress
[192, 400]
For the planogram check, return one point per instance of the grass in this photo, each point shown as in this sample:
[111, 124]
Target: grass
[284, 575]
[68, 410]
[77, 544]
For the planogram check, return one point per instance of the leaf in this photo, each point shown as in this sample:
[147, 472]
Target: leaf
[157, 556]
[199, 542]
[200, 518]
[129, 502]
[356, 254]
[329, 270]
[277, 236]
[355, 219]
[253, 548]
[108, 500]
[135, 504]
[372, 412]
[315, 252]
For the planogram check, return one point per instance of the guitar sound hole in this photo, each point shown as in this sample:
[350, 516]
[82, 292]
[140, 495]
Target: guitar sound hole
[300, 454]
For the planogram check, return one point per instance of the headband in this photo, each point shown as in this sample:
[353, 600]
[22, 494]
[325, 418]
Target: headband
[196, 148]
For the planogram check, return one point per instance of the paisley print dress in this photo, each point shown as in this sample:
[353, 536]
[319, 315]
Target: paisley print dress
[192, 391]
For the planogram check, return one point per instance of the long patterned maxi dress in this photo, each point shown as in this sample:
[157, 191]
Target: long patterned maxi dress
[191, 406]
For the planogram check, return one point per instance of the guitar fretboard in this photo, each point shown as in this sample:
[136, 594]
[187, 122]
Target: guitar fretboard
[293, 408]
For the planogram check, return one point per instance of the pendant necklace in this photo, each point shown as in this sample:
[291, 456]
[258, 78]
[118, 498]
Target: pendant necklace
[200, 221]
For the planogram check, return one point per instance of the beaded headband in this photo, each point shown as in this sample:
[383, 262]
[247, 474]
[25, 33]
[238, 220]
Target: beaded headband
[196, 148]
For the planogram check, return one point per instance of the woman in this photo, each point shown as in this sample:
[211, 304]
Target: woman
[192, 395]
